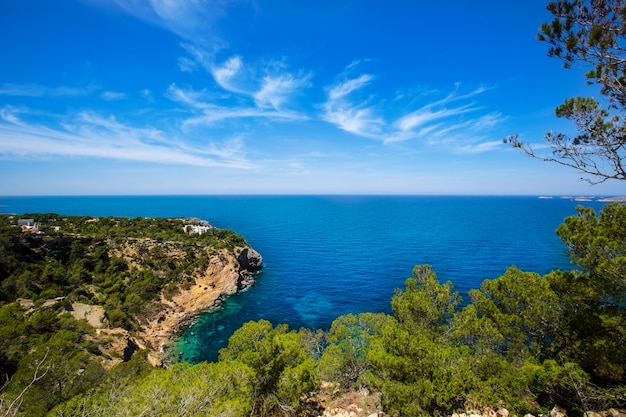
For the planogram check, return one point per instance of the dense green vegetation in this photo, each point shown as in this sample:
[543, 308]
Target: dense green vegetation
[120, 264]
[523, 341]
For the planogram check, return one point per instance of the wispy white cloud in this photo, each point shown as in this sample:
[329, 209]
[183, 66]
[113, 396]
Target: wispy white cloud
[437, 119]
[342, 89]
[488, 121]
[147, 95]
[199, 57]
[187, 96]
[228, 75]
[481, 147]
[92, 135]
[358, 121]
[211, 114]
[189, 19]
[354, 117]
[37, 90]
[275, 91]
[455, 119]
[268, 83]
[113, 95]
[242, 96]
[426, 115]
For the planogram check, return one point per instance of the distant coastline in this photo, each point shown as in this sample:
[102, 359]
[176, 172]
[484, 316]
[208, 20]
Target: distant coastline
[615, 199]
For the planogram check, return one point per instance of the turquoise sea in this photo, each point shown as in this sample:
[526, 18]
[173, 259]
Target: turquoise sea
[325, 256]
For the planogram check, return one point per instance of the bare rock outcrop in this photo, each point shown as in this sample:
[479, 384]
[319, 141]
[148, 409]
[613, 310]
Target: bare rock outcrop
[92, 313]
[249, 259]
[117, 345]
[360, 403]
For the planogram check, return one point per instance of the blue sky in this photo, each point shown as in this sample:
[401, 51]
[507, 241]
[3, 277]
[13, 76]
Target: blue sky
[279, 97]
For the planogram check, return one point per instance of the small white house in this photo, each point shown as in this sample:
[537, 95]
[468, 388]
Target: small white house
[197, 229]
[28, 225]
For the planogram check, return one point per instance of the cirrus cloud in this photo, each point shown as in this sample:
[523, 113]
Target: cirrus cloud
[92, 135]
[455, 120]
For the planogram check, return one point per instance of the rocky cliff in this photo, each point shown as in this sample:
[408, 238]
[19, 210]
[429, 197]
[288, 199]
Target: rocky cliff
[227, 273]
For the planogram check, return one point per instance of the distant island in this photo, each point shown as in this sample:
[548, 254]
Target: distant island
[620, 199]
[616, 199]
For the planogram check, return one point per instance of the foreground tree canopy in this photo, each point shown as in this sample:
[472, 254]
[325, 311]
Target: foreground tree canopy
[522, 341]
[589, 33]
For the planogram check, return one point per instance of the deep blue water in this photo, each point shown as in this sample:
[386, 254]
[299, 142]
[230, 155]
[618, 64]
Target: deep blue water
[325, 256]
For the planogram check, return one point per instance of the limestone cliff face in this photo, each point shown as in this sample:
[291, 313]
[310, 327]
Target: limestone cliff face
[227, 273]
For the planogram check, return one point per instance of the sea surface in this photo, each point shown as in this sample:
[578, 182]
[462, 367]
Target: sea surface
[325, 256]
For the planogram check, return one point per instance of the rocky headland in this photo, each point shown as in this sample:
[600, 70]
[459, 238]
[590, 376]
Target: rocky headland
[141, 281]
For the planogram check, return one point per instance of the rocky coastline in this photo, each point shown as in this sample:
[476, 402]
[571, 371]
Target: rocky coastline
[228, 273]
[193, 275]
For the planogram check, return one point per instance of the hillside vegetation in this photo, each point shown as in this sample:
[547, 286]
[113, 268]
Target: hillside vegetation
[522, 341]
[115, 272]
